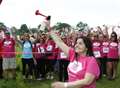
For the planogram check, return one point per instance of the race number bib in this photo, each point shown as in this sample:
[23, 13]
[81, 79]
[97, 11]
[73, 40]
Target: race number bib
[62, 55]
[97, 54]
[42, 50]
[105, 49]
[75, 66]
[49, 48]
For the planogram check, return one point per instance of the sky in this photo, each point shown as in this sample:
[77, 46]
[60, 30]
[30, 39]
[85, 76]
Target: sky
[93, 12]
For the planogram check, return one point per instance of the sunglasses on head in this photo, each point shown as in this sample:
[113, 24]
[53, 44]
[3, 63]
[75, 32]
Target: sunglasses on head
[112, 35]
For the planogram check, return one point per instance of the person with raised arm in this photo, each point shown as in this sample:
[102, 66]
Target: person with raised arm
[8, 55]
[83, 69]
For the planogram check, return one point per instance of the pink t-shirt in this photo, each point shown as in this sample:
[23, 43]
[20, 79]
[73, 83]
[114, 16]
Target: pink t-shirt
[61, 55]
[78, 69]
[97, 49]
[113, 50]
[119, 49]
[8, 48]
[50, 49]
[40, 50]
[0, 47]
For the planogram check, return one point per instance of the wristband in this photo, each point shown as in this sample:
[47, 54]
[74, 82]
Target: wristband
[65, 84]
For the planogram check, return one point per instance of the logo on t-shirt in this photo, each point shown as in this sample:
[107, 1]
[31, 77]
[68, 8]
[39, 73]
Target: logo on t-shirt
[75, 66]
[49, 48]
[96, 44]
[27, 45]
[113, 44]
[7, 43]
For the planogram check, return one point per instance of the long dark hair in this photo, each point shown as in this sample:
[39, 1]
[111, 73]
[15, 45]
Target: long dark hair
[115, 36]
[88, 43]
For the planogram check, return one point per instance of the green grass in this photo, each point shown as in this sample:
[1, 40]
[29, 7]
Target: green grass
[20, 83]
[105, 83]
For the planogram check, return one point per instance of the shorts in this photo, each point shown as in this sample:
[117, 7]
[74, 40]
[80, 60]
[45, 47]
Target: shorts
[9, 63]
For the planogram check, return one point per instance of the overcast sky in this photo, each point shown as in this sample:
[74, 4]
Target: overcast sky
[93, 12]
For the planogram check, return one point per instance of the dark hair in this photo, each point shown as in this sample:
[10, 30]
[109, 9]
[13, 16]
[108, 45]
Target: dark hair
[115, 36]
[88, 43]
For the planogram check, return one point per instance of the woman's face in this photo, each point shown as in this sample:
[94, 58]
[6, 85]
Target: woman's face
[26, 36]
[112, 37]
[80, 47]
[101, 37]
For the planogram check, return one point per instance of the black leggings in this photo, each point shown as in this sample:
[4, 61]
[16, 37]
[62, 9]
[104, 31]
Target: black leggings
[27, 62]
[1, 69]
[40, 68]
[63, 74]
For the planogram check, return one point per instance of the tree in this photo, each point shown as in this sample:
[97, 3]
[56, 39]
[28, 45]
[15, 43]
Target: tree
[33, 30]
[62, 27]
[81, 26]
[2, 26]
[23, 29]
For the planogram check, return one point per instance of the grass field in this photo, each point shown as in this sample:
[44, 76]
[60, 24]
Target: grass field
[21, 83]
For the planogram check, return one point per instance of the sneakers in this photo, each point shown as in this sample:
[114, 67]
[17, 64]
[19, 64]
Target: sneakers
[39, 79]
[31, 77]
[48, 76]
[24, 77]
[51, 77]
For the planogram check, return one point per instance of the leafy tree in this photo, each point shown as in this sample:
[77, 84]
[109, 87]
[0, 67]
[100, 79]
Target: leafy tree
[2, 26]
[23, 29]
[81, 26]
[62, 27]
[34, 30]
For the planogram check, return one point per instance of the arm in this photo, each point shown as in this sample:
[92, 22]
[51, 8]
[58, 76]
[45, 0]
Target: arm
[89, 78]
[113, 29]
[99, 30]
[59, 42]
[106, 31]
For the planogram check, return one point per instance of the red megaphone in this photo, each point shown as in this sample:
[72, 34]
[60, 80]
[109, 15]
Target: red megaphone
[38, 13]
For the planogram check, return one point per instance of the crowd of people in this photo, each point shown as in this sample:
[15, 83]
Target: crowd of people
[79, 57]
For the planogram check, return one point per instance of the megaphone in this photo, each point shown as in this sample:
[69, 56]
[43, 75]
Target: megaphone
[37, 12]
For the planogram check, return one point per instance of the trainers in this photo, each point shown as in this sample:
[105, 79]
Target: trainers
[48, 77]
[51, 77]
[39, 79]
[104, 75]
[24, 77]
[30, 77]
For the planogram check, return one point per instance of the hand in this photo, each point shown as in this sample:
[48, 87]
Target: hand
[113, 27]
[35, 62]
[58, 85]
